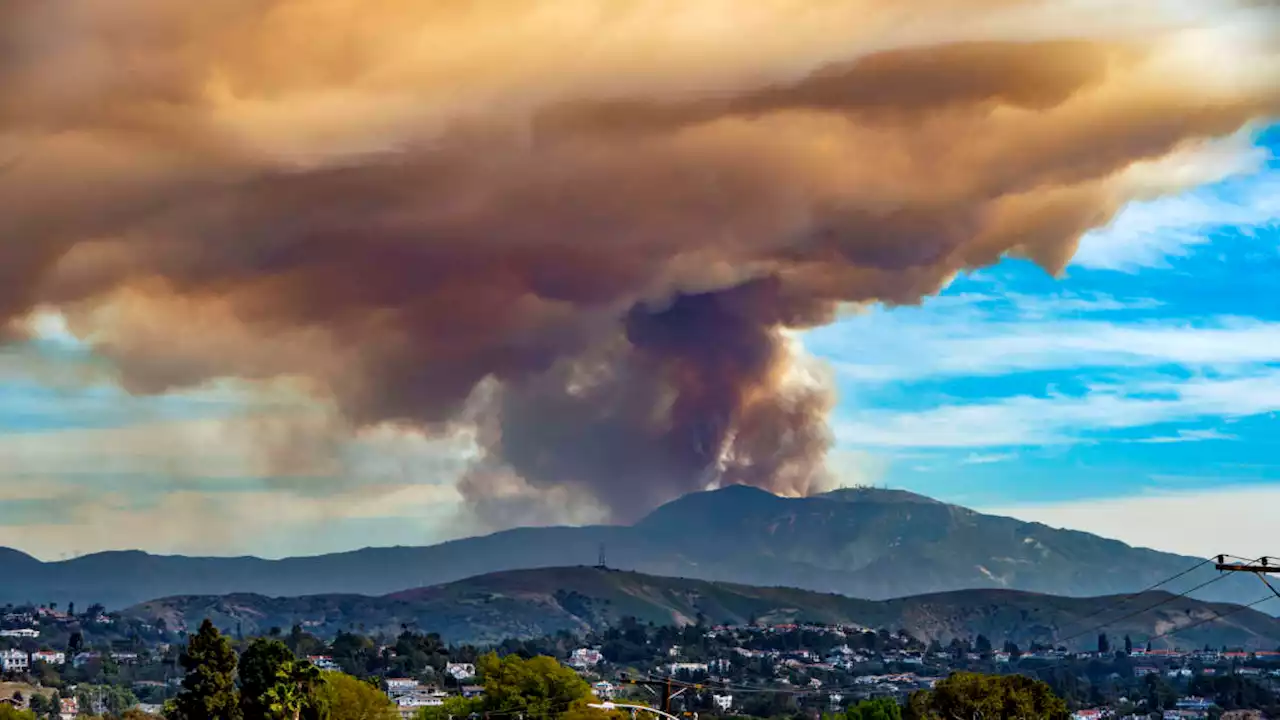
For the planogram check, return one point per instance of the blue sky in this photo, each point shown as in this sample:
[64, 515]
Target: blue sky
[1137, 396]
[1145, 379]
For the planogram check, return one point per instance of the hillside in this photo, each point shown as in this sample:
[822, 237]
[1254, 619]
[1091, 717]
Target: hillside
[528, 603]
[863, 543]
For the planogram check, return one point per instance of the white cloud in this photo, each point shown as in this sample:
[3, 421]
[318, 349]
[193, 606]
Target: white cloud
[987, 458]
[1028, 420]
[970, 342]
[1188, 436]
[1237, 520]
[1147, 234]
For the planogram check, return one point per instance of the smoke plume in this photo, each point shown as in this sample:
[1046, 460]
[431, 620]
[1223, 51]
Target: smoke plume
[577, 229]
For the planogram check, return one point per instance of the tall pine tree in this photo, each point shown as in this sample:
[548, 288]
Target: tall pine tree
[209, 688]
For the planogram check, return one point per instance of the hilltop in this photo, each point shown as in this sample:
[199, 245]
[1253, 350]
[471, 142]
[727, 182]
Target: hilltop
[867, 543]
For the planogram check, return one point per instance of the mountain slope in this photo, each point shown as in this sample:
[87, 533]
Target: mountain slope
[527, 603]
[862, 543]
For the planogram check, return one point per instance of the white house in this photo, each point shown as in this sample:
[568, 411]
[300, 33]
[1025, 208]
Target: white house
[585, 658]
[690, 667]
[324, 662]
[460, 671]
[51, 657]
[723, 702]
[604, 690]
[397, 686]
[20, 633]
[14, 660]
[418, 700]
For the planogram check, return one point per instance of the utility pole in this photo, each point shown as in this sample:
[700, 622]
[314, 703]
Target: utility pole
[663, 686]
[1261, 568]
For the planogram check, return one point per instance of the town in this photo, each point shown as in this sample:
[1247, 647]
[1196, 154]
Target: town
[101, 663]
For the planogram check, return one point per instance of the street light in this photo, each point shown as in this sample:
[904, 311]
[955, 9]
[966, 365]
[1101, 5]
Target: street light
[607, 705]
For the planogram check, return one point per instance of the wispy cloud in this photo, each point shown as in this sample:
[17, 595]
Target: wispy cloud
[1147, 234]
[1047, 420]
[1186, 435]
[975, 337]
[987, 458]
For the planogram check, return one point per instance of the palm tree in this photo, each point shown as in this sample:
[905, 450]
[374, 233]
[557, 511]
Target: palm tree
[294, 691]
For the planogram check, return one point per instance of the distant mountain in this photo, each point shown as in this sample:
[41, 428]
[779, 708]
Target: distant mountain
[527, 603]
[866, 543]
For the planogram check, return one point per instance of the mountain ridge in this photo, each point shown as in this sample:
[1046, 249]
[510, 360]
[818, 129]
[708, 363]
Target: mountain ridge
[528, 603]
[860, 542]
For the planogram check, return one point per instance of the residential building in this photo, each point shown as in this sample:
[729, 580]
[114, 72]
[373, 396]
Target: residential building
[585, 658]
[460, 671]
[471, 691]
[324, 662]
[1194, 703]
[723, 702]
[14, 661]
[50, 657]
[20, 633]
[417, 700]
[605, 690]
[397, 686]
[68, 708]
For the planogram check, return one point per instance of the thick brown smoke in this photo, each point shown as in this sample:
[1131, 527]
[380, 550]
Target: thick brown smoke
[580, 227]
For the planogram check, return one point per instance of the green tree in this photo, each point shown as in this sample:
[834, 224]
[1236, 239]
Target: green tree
[294, 691]
[9, 712]
[455, 706]
[875, 709]
[208, 689]
[990, 697]
[259, 667]
[982, 645]
[348, 698]
[539, 687]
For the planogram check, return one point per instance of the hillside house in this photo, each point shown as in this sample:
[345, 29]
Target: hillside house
[20, 633]
[324, 662]
[605, 690]
[585, 658]
[460, 671]
[68, 708]
[723, 702]
[397, 686]
[49, 657]
[14, 661]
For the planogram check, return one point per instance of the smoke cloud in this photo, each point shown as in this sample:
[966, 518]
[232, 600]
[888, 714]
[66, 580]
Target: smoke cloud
[579, 230]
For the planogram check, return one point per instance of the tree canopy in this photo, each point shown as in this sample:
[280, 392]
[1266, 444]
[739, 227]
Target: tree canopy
[990, 697]
[208, 689]
[344, 697]
[874, 709]
[259, 666]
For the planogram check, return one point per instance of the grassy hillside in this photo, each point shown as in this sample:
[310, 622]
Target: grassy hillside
[536, 602]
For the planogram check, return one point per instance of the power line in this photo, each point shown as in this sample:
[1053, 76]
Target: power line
[1149, 608]
[1216, 616]
[1144, 591]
